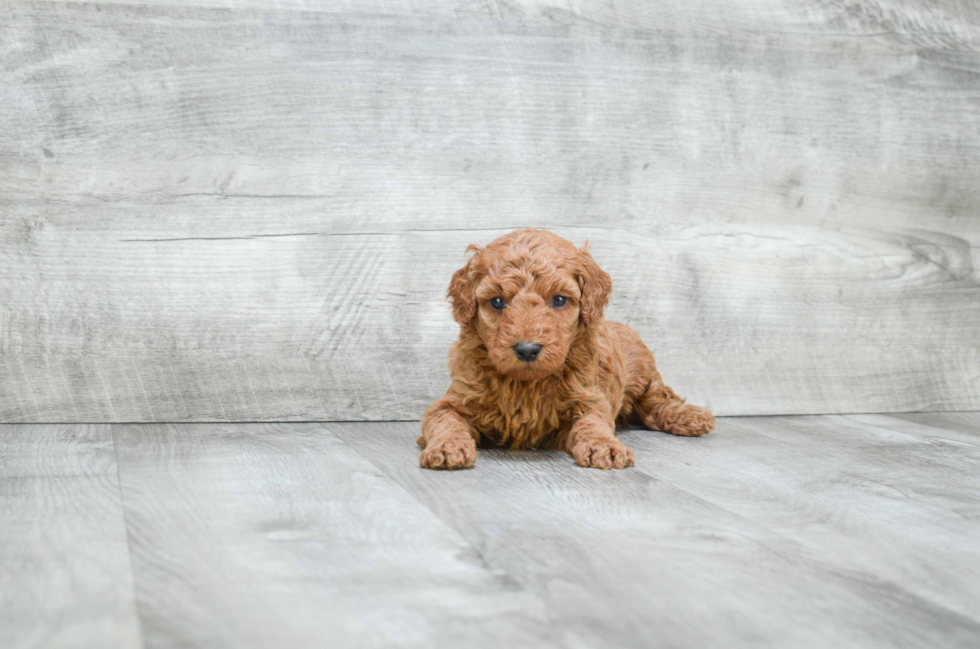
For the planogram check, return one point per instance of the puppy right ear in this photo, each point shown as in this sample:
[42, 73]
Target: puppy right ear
[461, 289]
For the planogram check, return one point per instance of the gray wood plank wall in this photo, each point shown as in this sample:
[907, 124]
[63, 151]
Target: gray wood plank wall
[252, 213]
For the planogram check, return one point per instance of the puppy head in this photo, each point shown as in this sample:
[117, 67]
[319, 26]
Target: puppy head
[527, 296]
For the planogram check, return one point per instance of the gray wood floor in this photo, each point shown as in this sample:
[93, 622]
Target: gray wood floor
[774, 531]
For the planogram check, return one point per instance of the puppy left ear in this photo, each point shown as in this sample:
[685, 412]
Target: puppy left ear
[596, 287]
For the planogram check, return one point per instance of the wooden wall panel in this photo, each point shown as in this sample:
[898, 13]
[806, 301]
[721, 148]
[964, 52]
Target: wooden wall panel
[211, 214]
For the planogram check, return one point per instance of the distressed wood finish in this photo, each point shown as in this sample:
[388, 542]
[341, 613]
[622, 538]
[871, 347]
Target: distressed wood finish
[868, 493]
[932, 21]
[259, 535]
[65, 576]
[852, 531]
[740, 538]
[213, 214]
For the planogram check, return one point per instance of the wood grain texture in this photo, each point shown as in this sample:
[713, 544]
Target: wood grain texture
[845, 532]
[868, 493]
[258, 535]
[216, 214]
[856, 531]
[933, 21]
[65, 575]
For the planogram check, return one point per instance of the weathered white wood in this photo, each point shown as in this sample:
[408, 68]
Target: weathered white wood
[933, 21]
[258, 535]
[324, 327]
[211, 214]
[688, 550]
[854, 531]
[65, 575]
[966, 423]
[867, 493]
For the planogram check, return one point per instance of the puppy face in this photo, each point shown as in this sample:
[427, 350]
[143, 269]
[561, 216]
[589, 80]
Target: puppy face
[526, 296]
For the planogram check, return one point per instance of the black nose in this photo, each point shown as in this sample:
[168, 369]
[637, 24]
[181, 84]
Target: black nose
[527, 352]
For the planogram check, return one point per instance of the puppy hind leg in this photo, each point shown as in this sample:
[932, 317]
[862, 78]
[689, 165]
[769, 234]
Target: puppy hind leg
[660, 408]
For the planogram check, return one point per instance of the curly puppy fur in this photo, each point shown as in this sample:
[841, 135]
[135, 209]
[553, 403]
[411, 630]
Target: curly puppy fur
[532, 287]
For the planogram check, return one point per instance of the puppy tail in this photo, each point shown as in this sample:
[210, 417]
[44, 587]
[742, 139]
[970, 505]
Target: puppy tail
[420, 441]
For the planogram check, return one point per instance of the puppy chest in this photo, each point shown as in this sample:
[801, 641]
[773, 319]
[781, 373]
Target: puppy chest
[520, 417]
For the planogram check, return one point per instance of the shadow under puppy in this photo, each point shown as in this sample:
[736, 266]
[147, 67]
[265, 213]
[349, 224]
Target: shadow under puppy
[537, 366]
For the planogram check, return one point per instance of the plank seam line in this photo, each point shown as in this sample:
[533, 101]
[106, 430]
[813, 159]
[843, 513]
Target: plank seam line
[392, 421]
[810, 553]
[358, 234]
[129, 541]
[489, 567]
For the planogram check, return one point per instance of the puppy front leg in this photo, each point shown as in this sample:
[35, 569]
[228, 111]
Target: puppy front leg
[593, 443]
[448, 439]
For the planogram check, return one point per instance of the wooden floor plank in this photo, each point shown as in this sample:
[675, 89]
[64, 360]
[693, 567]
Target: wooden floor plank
[65, 575]
[656, 553]
[963, 423]
[283, 536]
[773, 531]
[864, 493]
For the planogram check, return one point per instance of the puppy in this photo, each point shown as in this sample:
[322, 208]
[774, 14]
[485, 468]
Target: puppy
[536, 365]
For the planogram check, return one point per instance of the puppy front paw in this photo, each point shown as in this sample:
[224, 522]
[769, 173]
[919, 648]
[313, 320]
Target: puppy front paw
[602, 453]
[449, 453]
[691, 421]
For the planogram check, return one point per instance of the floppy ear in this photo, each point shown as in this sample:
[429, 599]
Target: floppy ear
[596, 287]
[461, 289]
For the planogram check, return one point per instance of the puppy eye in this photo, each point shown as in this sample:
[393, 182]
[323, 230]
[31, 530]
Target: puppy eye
[497, 303]
[558, 301]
